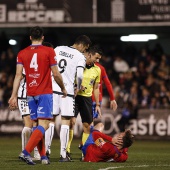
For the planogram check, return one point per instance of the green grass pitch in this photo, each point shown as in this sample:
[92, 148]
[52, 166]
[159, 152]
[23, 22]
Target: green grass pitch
[143, 155]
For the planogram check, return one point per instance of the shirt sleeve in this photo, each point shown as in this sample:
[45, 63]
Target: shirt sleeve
[53, 60]
[81, 62]
[99, 74]
[79, 76]
[123, 155]
[97, 134]
[107, 84]
[19, 58]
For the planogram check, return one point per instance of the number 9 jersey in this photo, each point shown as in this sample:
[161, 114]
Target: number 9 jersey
[68, 59]
[37, 61]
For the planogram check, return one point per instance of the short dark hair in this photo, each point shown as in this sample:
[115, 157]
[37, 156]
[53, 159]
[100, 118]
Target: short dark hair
[83, 39]
[47, 44]
[128, 139]
[36, 33]
[95, 49]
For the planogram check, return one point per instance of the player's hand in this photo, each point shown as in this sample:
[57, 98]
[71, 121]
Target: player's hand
[64, 92]
[12, 107]
[117, 140]
[98, 110]
[113, 105]
[82, 88]
[76, 90]
[13, 104]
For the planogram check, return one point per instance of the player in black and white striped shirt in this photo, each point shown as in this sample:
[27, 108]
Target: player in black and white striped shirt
[71, 64]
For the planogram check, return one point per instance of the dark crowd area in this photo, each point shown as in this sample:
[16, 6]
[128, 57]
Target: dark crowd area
[140, 77]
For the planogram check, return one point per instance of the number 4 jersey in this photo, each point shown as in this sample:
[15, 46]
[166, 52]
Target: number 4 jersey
[68, 59]
[37, 61]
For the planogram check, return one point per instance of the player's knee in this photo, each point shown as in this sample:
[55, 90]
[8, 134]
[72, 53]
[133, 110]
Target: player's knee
[27, 121]
[72, 124]
[86, 127]
[101, 125]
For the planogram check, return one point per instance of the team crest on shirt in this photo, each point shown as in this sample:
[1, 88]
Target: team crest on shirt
[33, 83]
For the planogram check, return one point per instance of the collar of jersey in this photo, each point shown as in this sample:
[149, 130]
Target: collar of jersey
[35, 44]
[72, 47]
[89, 66]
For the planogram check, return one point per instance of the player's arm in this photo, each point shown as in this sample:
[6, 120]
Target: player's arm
[96, 97]
[113, 103]
[58, 78]
[18, 77]
[97, 134]
[79, 77]
[123, 155]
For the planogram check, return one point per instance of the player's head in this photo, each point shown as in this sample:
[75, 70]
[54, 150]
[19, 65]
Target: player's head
[47, 44]
[36, 34]
[93, 54]
[82, 43]
[127, 138]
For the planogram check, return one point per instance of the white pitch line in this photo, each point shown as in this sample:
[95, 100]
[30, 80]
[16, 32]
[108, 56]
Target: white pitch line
[139, 166]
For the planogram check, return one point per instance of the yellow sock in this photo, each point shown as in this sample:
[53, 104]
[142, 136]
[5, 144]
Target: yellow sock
[70, 140]
[84, 137]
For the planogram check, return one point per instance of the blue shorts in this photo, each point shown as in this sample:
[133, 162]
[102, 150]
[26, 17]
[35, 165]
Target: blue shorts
[41, 106]
[95, 114]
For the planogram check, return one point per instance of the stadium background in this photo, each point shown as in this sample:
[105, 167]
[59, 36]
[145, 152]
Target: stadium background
[104, 21]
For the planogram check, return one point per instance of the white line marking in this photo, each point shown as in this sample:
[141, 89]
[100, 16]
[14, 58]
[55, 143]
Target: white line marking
[140, 166]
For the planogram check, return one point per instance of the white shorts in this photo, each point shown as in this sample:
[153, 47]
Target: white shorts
[23, 107]
[64, 106]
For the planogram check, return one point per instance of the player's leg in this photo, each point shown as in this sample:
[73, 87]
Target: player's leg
[66, 114]
[29, 126]
[86, 116]
[25, 155]
[99, 127]
[71, 134]
[43, 105]
[36, 152]
[85, 107]
[44, 114]
[42, 127]
[72, 124]
[27, 130]
[49, 133]
[64, 135]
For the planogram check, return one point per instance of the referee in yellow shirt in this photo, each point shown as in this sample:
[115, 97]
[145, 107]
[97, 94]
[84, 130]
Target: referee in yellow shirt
[83, 100]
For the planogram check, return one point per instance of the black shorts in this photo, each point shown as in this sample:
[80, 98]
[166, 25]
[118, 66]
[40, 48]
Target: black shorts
[83, 105]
